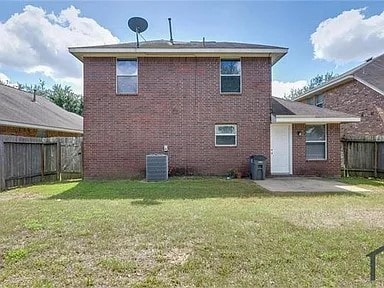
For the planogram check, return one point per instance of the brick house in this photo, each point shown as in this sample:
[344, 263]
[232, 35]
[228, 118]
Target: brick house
[22, 114]
[360, 92]
[208, 105]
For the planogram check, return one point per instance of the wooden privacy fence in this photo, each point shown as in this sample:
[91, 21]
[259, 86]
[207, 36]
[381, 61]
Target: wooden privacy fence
[26, 160]
[363, 156]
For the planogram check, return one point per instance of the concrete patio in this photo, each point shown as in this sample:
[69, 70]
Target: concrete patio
[306, 184]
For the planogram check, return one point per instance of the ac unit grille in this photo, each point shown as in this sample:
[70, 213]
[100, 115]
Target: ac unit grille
[157, 167]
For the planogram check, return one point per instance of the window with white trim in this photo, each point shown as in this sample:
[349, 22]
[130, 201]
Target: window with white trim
[316, 142]
[126, 76]
[226, 135]
[230, 76]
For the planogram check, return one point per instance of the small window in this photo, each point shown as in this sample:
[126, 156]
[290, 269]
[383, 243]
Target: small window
[311, 101]
[316, 139]
[126, 76]
[226, 135]
[319, 101]
[230, 76]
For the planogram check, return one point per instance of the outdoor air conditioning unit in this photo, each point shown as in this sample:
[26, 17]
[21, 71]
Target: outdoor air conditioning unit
[157, 167]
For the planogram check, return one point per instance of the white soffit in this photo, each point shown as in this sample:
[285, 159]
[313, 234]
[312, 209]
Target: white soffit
[309, 119]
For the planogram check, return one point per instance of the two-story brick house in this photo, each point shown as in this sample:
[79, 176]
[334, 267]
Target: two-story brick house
[360, 92]
[208, 105]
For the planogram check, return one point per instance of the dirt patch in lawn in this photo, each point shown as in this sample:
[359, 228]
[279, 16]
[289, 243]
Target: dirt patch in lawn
[178, 256]
[7, 196]
[370, 218]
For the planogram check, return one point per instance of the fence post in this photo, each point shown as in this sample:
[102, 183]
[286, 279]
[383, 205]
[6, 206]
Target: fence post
[58, 160]
[346, 160]
[82, 158]
[375, 162]
[2, 164]
[42, 166]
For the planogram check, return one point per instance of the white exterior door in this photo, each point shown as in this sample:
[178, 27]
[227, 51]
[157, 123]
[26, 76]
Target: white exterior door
[281, 149]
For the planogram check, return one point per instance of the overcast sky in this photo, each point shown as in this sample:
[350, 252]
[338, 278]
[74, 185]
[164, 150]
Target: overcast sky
[322, 36]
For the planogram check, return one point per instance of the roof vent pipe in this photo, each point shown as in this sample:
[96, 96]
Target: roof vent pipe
[34, 95]
[170, 30]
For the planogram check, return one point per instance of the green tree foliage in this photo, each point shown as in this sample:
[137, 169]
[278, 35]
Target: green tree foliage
[313, 83]
[40, 88]
[62, 96]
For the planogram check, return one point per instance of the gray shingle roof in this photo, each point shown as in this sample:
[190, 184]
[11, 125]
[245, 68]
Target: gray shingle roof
[371, 71]
[287, 107]
[18, 109]
[155, 44]
[177, 48]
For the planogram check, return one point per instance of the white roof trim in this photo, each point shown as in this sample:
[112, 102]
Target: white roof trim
[80, 52]
[326, 86]
[33, 126]
[311, 119]
[175, 50]
[369, 85]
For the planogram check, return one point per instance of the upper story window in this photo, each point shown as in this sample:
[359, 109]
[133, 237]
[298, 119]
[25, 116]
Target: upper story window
[311, 101]
[126, 76]
[316, 142]
[230, 76]
[226, 135]
[317, 100]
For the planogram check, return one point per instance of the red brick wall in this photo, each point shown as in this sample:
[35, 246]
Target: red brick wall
[178, 104]
[359, 100]
[30, 132]
[18, 131]
[329, 167]
[61, 134]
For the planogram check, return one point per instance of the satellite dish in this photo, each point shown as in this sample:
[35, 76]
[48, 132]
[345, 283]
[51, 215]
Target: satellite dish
[137, 24]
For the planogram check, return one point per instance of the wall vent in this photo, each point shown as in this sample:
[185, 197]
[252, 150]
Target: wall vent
[156, 167]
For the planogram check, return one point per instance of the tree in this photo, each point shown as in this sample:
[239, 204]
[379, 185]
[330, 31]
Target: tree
[313, 83]
[62, 96]
[66, 98]
[40, 88]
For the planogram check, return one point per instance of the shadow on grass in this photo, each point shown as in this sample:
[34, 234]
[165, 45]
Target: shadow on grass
[176, 188]
[145, 202]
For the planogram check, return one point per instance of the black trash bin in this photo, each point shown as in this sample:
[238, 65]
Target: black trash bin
[257, 167]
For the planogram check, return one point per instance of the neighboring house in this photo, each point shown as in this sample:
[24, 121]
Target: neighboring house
[359, 92]
[22, 114]
[206, 104]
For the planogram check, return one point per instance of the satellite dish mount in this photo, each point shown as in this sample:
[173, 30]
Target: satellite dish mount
[137, 25]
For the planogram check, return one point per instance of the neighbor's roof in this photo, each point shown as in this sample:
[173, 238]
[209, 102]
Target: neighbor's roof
[18, 110]
[286, 111]
[370, 73]
[158, 48]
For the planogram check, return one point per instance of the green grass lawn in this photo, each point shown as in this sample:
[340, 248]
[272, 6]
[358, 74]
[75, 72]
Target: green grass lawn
[199, 232]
